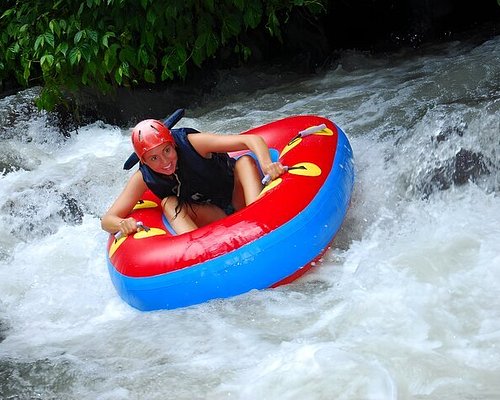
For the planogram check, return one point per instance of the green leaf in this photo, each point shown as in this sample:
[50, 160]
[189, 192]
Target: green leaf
[151, 17]
[49, 38]
[125, 69]
[49, 98]
[143, 56]
[170, 11]
[128, 55]
[182, 71]
[75, 55]
[47, 61]
[150, 39]
[149, 76]
[14, 48]
[119, 76]
[40, 40]
[166, 61]
[92, 68]
[198, 56]
[78, 36]
[199, 50]
[166, 73]
[86, 51]
[8, 12]
[54, 27]
[110, 58]
[62, 48]
[105, 38]
[212, 44]
[231, 26]
[239, 4]
[56, 4]
[247, 52]
[253, 14]
[181, 54]
[273, 25]
[92, 35]
[27, 72]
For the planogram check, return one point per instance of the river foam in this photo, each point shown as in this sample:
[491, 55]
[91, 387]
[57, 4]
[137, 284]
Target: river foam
[403, 306]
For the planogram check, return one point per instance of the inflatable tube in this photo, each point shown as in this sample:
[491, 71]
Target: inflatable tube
[268, 243]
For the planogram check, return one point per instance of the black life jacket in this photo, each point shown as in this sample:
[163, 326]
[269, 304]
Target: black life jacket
[197, 179]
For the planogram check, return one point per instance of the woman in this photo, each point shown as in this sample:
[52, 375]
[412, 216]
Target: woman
[192, 174]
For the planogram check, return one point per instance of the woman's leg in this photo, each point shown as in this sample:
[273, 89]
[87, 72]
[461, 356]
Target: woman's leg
[190, 217]
[247, 182]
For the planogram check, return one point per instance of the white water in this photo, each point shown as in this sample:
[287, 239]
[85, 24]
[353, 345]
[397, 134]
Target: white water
[405, 306]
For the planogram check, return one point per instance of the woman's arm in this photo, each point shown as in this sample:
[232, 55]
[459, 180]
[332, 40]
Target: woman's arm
[206, 143]
[115, 218]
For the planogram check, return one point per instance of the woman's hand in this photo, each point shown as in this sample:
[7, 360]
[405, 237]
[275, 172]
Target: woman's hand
[127, 226]
[115, 220]
[274, 169]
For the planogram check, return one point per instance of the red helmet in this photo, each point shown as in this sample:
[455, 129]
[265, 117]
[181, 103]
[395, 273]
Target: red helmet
[149, 134]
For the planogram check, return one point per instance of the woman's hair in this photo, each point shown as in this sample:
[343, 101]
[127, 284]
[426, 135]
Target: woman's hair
[183, 188]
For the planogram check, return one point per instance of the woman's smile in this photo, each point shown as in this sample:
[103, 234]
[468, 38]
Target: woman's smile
[162, 159]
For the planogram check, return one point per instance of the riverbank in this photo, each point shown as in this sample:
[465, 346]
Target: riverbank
[309, 47]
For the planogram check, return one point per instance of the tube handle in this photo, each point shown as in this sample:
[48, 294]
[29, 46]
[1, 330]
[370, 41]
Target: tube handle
[140, 225]
[265, 181]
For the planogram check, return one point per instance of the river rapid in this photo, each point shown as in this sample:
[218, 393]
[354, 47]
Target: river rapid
[405, 305]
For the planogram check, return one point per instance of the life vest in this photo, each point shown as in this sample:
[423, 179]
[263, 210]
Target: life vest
[197, 179]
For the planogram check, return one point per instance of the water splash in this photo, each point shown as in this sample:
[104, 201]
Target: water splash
[402, 306]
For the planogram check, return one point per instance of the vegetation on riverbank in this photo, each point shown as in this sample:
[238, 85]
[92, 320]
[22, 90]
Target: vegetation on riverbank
[65, 45]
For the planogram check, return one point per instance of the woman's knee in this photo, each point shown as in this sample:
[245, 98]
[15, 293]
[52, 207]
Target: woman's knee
[246, 165]
[245, 160]
[247, 182]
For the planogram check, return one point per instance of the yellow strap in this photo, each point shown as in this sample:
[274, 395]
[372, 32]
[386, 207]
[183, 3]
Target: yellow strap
[270, 186]
[115, 245]
[143, 234]
[145, 204]
[309, 169]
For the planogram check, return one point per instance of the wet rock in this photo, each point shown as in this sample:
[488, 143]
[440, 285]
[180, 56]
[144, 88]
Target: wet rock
[466, 166]
[3, 331]
[469, 165]
[36, 379]
[71, 213]
[448, 133]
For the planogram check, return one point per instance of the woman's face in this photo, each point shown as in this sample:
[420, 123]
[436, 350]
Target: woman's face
[162, 159]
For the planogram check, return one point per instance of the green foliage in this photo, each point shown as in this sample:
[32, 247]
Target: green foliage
[65, 45]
